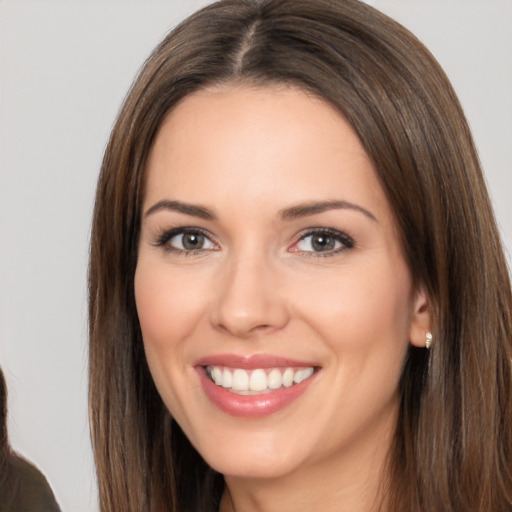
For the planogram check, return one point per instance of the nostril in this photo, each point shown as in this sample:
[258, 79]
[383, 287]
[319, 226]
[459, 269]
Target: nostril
[246, 302]
[249, 320]
[243, 330]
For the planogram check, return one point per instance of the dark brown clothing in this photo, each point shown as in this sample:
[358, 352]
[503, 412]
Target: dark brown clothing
[26, 489]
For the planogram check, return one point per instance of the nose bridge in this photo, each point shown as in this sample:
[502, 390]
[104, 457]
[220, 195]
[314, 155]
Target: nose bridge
[248, 295]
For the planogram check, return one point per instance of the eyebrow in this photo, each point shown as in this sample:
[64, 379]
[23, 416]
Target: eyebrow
[177, 206]
[312, 208]
[291, 213]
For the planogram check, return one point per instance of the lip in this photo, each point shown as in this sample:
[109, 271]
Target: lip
[252, 362]
[252, 406]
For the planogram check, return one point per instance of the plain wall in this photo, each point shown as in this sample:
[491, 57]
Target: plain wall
[65, 67]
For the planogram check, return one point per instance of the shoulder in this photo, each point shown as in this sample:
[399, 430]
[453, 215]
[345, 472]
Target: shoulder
[31, 491]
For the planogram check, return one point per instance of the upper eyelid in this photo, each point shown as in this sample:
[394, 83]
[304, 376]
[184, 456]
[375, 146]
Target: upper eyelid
[165, 235]
[330, 231]
[344, 238]
[171, 232]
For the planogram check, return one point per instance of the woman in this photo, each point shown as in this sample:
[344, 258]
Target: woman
[22, 486]
[298, 296]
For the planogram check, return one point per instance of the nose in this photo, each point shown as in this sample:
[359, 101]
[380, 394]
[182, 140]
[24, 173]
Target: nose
[250, 298]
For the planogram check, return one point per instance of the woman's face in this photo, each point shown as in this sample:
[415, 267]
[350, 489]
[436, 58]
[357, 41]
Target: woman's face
[269, 263]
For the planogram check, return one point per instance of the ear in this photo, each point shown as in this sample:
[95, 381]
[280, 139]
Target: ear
[420, 320]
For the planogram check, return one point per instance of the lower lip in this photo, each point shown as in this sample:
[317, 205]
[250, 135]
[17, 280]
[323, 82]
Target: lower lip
[251, 406]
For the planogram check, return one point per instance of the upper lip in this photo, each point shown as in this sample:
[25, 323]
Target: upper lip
[252, 362]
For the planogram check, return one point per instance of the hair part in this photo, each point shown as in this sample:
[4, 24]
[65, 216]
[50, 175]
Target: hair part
[453, 446]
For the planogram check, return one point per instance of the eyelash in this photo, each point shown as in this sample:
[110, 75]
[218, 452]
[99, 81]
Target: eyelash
[346, 241]
[163, 239]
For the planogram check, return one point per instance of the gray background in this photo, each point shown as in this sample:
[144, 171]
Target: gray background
[65, 67]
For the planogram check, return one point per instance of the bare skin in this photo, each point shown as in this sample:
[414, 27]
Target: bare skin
[266, 233]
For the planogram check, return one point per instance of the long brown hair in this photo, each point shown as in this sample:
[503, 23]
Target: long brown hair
[8, 486]
[4, 442]
[453, 445]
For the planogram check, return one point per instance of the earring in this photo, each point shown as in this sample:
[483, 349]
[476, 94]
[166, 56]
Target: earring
[428, 340]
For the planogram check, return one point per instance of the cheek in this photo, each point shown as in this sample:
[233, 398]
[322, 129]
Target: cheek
[364, 318]
[357, 303]
[168, 307]
[168, 311]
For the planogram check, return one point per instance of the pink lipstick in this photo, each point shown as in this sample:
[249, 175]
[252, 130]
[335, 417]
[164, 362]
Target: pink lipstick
[254, 386]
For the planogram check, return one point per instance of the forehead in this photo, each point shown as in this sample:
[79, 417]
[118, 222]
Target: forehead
[300, 112]
[236, 133]
[249, 154]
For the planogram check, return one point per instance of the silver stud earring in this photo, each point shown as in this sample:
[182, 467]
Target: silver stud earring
[428, 340]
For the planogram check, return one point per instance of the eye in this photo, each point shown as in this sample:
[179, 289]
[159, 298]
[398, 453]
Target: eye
[185, 240]
[190, 241]
[326, 241]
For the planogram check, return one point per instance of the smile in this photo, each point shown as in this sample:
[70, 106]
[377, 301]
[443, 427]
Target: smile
[257, 381]
[254, 386]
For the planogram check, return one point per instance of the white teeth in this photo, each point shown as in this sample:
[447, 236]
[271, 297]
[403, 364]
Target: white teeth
[259, 380]
[240, 380]
[227, 378]
[274, 379]
[288, 377]
[217, 375]
[302, 375]
[298, 377]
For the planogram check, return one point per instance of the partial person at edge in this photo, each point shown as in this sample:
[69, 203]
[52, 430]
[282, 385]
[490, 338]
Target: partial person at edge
[23, 488]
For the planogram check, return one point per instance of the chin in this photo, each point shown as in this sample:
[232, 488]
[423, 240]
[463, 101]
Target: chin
[253, 469]
[252, 459]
